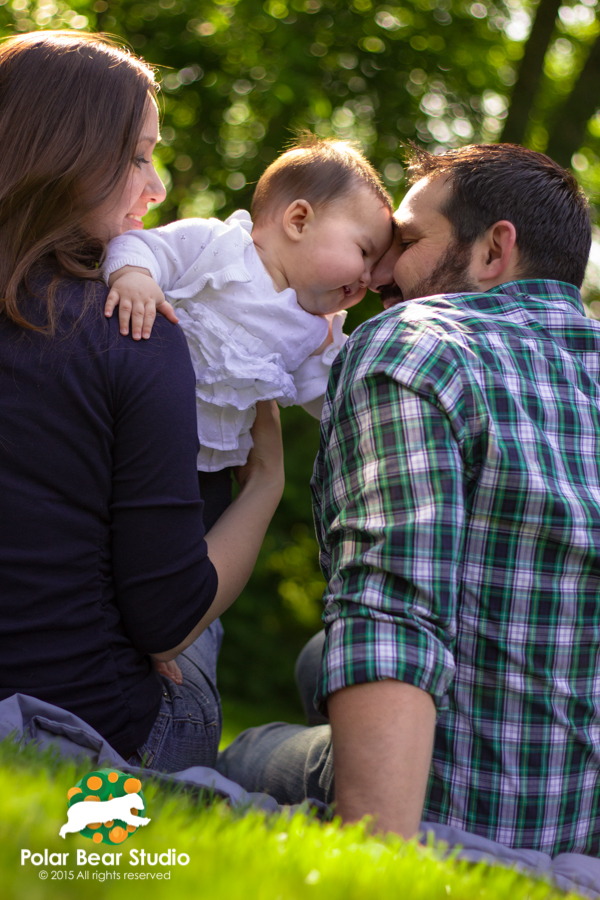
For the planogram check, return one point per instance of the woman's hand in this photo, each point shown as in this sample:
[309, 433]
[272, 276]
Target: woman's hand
[170, 670]
[265, 460]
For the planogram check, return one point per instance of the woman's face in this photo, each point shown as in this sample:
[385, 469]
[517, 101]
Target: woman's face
[124, 211]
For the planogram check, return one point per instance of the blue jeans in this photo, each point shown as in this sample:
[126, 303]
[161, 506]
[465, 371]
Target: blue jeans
[187, 729]
[289, 762]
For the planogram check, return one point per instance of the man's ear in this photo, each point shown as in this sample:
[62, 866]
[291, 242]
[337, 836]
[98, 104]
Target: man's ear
[296, 217]
[495, 256]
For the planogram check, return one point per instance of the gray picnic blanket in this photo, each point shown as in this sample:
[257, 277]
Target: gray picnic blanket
[48, 725]
[30, 719]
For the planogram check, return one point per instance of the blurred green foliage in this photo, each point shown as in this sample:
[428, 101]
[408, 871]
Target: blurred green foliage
[239, 77]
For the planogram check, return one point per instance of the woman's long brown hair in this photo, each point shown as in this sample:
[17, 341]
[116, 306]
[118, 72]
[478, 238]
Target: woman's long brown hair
[71, 111]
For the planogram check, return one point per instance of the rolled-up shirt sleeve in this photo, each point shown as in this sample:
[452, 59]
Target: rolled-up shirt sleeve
[164, 581]
[389, 511]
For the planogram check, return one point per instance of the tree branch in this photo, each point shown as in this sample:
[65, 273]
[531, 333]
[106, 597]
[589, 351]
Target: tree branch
[530, 72]
[569, 127]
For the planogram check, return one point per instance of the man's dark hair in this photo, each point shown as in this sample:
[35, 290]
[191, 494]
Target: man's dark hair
[543, 201]
[319, 170]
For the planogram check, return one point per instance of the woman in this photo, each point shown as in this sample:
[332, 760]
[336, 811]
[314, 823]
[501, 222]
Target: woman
[102, 556]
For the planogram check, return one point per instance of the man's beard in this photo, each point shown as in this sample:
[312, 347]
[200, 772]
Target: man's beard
[450, 276]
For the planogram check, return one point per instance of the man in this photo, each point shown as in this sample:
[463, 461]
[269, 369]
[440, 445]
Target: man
[457, 502]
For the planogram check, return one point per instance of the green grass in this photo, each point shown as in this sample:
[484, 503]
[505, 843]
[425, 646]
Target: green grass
[232, 855]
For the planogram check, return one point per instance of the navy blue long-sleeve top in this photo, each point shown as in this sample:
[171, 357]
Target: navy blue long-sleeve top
[102, 557]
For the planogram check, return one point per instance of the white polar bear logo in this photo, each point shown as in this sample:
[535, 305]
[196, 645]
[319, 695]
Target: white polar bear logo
[82, 814]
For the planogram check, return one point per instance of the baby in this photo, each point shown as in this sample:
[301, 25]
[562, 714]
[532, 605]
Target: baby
[262, 306]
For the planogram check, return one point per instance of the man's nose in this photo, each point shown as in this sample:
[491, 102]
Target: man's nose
[382, 273]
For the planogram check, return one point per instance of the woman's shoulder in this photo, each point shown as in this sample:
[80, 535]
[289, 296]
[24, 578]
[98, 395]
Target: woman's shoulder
[79, 325]
[53, 305]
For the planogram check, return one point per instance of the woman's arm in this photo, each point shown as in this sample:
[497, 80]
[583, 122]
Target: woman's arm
[165, 583]
[236, 538]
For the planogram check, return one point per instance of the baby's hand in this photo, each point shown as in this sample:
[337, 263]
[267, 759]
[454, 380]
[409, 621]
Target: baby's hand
[138, 297]
[170, 669]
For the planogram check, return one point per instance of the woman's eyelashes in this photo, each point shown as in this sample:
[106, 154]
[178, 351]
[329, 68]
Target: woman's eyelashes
[138, 160]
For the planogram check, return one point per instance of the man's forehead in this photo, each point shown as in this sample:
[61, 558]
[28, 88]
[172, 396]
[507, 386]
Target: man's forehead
[423, 199]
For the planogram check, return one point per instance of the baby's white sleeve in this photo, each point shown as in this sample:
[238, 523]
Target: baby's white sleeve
[311, 377]
[167, 252]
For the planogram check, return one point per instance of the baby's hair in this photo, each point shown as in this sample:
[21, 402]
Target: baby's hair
[317, 170]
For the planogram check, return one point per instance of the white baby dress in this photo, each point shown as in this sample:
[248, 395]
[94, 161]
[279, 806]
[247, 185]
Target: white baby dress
[247, 342]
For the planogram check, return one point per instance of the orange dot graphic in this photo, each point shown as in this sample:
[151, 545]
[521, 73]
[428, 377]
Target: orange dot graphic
[109, 824]
[97, 838]
[95, 825]
[113, 776]
[131, 828]
[72, 791]
[134, 812]
[117, 835]
[94, 783]
[132, 785]
[110, 796]
[92, 797]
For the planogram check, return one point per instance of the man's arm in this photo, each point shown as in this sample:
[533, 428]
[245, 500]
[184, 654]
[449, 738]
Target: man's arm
[389, 507]
[382, 744]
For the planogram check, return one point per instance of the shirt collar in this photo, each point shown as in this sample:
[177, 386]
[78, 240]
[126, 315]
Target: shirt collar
[543, 289]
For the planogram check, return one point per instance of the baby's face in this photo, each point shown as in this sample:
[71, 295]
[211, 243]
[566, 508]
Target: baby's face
[332, 264]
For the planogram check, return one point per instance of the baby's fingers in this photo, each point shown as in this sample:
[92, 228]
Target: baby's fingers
[125, 307]
[167, 311]
[138, 318]
[111, 301]
[148, 319]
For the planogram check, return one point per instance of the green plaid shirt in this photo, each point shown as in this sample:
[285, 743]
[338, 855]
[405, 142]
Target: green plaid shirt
[457, 501]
